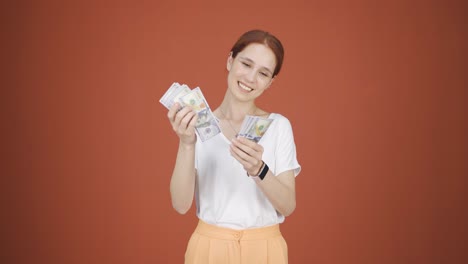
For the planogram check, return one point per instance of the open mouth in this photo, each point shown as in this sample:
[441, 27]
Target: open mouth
[244, 87]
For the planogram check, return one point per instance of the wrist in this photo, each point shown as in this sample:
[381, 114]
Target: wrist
[260, 169]
[262, 172]
[186, 146]
[257, 171]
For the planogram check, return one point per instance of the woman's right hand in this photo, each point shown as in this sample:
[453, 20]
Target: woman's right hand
[183, 123]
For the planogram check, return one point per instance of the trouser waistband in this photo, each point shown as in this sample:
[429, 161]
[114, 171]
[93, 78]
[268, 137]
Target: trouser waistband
[217, 232]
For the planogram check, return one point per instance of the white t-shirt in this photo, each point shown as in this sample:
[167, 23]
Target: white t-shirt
[225, 196]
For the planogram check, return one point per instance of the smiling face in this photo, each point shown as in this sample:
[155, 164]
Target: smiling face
[251, 71]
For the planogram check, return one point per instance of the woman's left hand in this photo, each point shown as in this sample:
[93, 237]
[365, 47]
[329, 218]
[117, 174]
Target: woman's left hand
[249, 154]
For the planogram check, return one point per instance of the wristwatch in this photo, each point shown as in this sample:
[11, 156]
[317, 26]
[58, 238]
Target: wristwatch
[263, 171]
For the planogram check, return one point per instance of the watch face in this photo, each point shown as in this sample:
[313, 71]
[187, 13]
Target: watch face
[264, 171]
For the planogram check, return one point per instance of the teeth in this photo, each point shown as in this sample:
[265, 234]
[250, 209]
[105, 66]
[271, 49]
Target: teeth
[245, 87]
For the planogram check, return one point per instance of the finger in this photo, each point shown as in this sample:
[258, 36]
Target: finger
[238, 158]
[184, 123]
[251, 157]
[250, 164]
[180, 115]
[236, 144]
[255, 151]
[250, 143]
[243, 155]
[193, 122]
[173, 111]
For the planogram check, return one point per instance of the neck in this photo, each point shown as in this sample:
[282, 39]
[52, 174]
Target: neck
[236, 111]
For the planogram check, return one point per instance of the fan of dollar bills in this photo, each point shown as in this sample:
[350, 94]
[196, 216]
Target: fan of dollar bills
[253, 127]
[207, 125]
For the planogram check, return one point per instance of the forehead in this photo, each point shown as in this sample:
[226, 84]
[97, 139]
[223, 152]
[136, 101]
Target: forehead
[260, 54]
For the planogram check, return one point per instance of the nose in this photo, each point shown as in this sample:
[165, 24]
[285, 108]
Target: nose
[251, 75]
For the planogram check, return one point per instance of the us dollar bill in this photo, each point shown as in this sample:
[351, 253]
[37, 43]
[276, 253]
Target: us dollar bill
[207, 125]
[173, 94]
[254, 127]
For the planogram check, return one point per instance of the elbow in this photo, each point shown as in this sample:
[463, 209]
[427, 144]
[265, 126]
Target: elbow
[181, 209]
[288, 211]
[181, 203]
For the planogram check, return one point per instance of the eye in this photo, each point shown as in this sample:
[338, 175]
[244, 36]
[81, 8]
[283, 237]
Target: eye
[265, 74]
[246, 64]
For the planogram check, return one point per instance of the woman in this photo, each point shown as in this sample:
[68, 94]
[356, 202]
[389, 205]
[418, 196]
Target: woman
[243, 189]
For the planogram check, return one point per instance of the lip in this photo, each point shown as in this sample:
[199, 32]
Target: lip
[240, 84]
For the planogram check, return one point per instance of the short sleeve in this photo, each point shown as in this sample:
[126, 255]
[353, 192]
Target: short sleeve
[286, 157]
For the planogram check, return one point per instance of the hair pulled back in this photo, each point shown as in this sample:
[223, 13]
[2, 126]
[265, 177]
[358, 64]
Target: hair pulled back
[261, 37]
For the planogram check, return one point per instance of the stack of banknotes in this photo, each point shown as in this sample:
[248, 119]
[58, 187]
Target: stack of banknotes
[207, 124]
[253, 127]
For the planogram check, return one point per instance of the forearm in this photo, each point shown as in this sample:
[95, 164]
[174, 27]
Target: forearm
[281, 193]
[182, 185]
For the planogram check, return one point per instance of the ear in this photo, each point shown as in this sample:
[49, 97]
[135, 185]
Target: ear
[229, 61]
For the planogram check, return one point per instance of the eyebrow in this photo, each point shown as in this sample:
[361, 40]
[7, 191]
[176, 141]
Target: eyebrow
[250, 60]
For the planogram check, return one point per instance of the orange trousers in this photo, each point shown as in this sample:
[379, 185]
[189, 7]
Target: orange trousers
[211, 244]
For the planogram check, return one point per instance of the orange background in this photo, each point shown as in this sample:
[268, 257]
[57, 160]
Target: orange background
[376, 92]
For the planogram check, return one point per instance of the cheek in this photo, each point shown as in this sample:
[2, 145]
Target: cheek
[235, 72]
[239, 69]
[231, 79]
[230, 75]
[265, 84]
